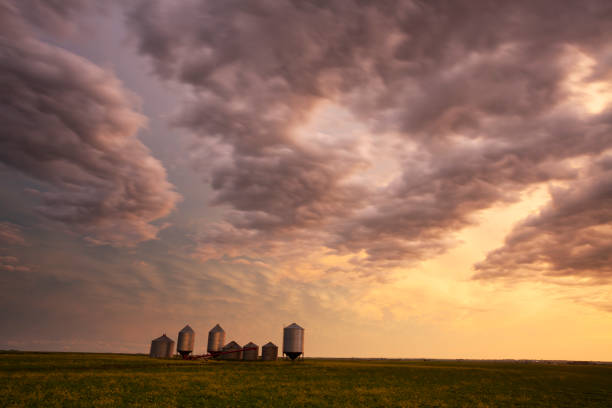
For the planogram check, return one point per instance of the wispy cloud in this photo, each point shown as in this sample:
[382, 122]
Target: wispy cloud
[11, 234]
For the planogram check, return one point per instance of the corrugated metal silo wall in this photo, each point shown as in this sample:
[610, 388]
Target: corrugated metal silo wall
[161, 349]
[250, 355]
[169, 349]
[232, 356]
[155, 349]
[293, 339]
[216, 340]
[269, 353]
[186, 339]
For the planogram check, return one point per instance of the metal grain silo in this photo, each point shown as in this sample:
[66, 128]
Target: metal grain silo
[184, 344]
[216, 339]
[232, 345]
[269, 352]
[293, 341]
[252, 354]
[162, 347]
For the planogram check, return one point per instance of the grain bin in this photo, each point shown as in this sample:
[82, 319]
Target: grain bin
[186, 337]
[216, 339]
[162, 347]
[269, 352]
[293, 341]
[251, 355]
[232, 345]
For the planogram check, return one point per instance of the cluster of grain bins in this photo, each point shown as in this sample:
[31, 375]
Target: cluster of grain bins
[293, 346]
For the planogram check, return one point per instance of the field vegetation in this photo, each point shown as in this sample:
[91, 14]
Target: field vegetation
[114, 380]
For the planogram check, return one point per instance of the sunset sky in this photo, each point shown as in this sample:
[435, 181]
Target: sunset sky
[401, 178]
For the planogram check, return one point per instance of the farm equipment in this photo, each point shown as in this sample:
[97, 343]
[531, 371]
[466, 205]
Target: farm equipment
[216, 354]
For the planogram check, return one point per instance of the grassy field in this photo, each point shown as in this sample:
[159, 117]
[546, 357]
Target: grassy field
[107, 380]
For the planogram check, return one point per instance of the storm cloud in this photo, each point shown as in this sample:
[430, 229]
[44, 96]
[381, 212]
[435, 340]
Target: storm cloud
[481, 100]
[72, 126]
[571, 236]
[423, 169]
[55, 16]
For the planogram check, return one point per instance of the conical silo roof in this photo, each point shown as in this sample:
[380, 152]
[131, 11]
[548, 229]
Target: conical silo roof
[164, 339]
[232, 345]
[250, 344]
[187, 329]
[217, 328]
[269, 344]
[294, 326]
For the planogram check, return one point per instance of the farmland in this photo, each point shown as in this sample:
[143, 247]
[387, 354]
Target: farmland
[111, 380]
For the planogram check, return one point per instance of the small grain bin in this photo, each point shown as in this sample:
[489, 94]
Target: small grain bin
[186, 338]
[232, 345]
[269, 352]
[251, 355]
[216, 339]
[293, 341]
[162, 347]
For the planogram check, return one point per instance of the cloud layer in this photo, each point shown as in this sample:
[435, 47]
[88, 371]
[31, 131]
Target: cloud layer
[571, 236]
[481, 100]
[344, 142]
[72, 126]
[10, 234]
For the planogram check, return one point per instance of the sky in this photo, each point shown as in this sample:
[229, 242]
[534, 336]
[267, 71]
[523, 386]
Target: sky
[401, 178]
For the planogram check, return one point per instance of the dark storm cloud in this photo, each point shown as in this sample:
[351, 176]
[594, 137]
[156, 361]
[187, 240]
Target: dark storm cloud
[245, 97]
[479, 93]
[70, 124]
[572, 235]
[286, 189]
[440, 191]
[56, 16]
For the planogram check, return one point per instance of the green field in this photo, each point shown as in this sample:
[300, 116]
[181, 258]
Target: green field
[109, 380]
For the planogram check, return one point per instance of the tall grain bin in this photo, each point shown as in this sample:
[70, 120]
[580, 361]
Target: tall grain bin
[162, 347]
[269, 352]
[186, 337]
[232, 345]
[251, 355]
[293, 341]
[216, 339]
